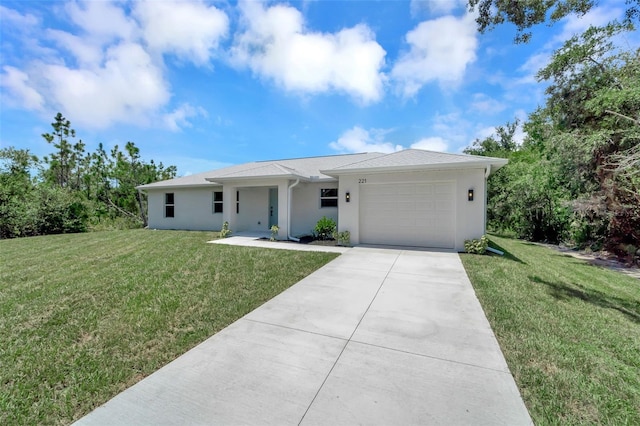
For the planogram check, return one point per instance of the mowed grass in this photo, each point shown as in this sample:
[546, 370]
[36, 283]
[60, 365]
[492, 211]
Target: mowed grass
[570, 332]
[83, 317]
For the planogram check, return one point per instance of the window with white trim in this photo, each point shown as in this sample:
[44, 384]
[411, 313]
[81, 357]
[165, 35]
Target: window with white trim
[329, 197]
[169, 205]
[217, 202]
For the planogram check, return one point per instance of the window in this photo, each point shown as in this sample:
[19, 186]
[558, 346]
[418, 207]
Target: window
[329, 197]
[217, 202]
[237, 202]
[169, 205]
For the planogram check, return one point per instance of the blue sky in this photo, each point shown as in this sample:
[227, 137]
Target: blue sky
[202, 85]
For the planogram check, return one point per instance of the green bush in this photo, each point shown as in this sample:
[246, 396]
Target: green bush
[325, 228]
[225, 231]
[274, 232]
[477, 246]
[344, 238]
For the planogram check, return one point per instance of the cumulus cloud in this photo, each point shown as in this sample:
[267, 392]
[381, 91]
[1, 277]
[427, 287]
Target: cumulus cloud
[485, 104]
[108, 66]
[358, 139]
[190, 30]
[275, 44]
[179, 117]
[435, 143]
[439, 50]
[124, 89]
[437, 7]
[20, 92]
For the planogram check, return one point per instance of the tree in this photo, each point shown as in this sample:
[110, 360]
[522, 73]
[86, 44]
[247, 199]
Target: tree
[65, 164]
[526, 14]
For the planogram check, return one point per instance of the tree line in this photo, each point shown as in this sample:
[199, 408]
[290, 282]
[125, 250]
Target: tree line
[72, 190]
[576, 177]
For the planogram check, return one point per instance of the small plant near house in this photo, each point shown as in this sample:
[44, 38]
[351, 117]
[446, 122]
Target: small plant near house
[274, 232]
[325, 228]
[225, 231]
[478, 246]
[343, 238]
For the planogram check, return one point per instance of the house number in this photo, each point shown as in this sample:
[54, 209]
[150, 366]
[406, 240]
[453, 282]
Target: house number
[362, 181]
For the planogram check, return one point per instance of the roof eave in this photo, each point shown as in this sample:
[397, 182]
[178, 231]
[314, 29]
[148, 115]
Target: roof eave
[415, 168]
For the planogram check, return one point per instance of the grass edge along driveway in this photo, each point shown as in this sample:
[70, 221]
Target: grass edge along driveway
[85, 316]
[569, 331]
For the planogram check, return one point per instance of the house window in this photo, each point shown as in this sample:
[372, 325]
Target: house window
[217, 202]
[329, 197]
[169, 205]
[237, 202]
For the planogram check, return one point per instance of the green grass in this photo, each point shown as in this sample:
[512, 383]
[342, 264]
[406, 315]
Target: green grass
[82, 317]
[570, 332]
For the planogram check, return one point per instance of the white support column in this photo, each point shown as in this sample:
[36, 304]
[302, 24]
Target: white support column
[229, 206]
[283, 203]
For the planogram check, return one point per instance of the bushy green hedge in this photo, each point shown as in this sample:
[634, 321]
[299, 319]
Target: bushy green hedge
[478, 246]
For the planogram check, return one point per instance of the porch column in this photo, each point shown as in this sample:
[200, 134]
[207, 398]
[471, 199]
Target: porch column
[283, 205]
[228, 206]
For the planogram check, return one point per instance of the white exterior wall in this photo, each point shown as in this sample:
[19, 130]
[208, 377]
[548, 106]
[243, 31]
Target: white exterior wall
[306, 210]
[254, 209]
[193, 209]
[470, 215]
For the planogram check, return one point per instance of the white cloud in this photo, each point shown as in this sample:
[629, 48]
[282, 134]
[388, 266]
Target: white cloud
[440, 50]
[109, 67]
[125, 89]
[191, 30]
[179, 117]
[486, 104]
[275, 44]
[104, 20]
[20, 92]
[437, 7]
[17, 20]
[358, 139]
[431, 144]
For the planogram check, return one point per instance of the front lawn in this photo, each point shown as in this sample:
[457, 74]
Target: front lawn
[83, 317]
[570, 332]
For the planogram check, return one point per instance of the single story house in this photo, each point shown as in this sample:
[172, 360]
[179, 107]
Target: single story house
[411, 197]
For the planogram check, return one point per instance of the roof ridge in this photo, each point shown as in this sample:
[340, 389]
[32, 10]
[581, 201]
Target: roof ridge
[366, 159]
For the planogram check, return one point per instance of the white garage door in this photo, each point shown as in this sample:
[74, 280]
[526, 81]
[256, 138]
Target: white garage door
[415, 214]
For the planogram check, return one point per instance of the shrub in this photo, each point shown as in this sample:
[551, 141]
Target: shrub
[325, 228]
[344, 238]
[274, 232]
[478, 246]
[225, 231]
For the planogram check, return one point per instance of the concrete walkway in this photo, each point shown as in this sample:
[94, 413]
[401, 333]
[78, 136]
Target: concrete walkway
[377, 336]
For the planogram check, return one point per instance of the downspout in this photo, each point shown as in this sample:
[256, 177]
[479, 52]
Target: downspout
[290, 192]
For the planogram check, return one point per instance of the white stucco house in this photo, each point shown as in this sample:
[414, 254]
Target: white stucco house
[411, 197]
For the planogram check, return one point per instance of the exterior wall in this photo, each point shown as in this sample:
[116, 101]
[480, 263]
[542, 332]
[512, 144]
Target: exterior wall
[254, 209]
[470, 215]
[193, 209]
[306, 210]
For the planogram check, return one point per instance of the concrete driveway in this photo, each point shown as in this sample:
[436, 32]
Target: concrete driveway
[377, 336]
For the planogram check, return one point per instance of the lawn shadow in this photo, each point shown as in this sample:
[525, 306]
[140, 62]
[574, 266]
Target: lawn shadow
[562, 291]
[507, 254]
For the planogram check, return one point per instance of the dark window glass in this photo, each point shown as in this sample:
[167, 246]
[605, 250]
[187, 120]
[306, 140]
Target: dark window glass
[217, 202]
[168, 198]
[168, 211]
[329, 192]
[329, 202]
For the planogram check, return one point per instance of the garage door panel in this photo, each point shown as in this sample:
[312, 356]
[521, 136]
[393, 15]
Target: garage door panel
[420, 214]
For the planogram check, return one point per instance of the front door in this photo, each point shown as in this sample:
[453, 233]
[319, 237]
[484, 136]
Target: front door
[273, 207]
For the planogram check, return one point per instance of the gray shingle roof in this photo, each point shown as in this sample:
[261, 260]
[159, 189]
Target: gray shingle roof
[326, 168]
[410, 158]
[307, 168]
